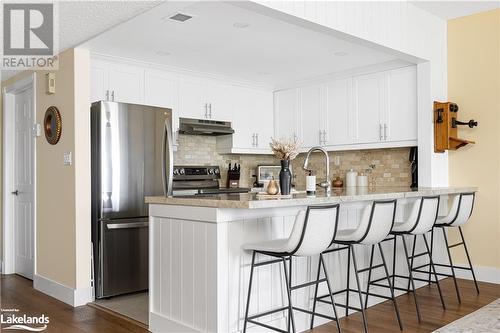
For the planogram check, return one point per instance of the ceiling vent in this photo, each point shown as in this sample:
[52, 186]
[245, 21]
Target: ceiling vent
[179, 17]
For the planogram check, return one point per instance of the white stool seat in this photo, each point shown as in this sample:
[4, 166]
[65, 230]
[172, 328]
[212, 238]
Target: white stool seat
[460, 211]
[400, 227]
[347, 235]
[421, 219]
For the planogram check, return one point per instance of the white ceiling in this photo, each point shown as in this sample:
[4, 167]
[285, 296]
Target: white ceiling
[82, 20]
[452, 9]
[268, 51]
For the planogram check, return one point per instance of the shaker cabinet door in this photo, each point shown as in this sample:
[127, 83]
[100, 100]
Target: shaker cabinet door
[369, 100]
[313, 131]
[286, 108]
[401, 115]
[339, 118]
[126, 84]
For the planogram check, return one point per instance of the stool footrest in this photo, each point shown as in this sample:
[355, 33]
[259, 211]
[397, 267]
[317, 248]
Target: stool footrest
[269, 327]
[315, 313]
[336, 249]
[396, 288]
[454, 266]
[427, 272]
[368, 268]
[454, 245]
[267, 313]
[307, 284]
[418, 255]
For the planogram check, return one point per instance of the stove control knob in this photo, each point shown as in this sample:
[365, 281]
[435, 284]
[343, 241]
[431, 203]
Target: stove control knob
[176, 172]
[182, 172]
[210, 171]
[217, 171]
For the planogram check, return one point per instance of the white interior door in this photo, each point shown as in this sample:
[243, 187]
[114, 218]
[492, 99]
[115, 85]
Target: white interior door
[24, 205]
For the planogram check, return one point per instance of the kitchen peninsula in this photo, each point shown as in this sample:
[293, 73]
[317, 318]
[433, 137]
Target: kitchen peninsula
[199, 272]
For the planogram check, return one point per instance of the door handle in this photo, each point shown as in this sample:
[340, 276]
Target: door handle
[206, 110]
[210, 110]
[381, 136]
[385, 132]
[112, 95]
[107, 95]
[127, 225]
[16, 192]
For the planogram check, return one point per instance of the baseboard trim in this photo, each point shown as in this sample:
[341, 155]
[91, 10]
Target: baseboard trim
[73, 297]
[483, 274]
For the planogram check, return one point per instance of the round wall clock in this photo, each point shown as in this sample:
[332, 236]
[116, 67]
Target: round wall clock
[52, 125]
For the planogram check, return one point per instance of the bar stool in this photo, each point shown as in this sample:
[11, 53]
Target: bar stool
[460, 212]
[376, 223]
[421, 219]
[312, 233]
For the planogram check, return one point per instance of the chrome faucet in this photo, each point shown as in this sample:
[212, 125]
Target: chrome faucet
[327, 183]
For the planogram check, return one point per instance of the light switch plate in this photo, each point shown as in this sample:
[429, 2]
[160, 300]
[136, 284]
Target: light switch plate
[67, 158]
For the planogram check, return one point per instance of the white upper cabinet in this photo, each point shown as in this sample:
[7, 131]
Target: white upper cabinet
[286, 114]
[376, 110]
[126, 84]
[116, 82]
[192, 98]
[312, 116]
[401, 116]
[368, 107]
[252, 121]
[220, 99]
[339, 118]
[160, 89]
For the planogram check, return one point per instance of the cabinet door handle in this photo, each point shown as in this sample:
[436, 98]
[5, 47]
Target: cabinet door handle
[381, 137]
[385, 132]
[210, 110]
[107, 95]
[113, 95]
[320, 137]
[256, 139]
[206, 110]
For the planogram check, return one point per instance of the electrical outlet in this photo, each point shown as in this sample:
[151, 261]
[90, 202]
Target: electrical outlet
[67, 160]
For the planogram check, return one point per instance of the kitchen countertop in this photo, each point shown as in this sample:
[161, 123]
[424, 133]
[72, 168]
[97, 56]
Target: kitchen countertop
[252, 201]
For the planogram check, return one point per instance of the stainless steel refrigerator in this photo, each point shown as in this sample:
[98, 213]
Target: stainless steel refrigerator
[131, 157]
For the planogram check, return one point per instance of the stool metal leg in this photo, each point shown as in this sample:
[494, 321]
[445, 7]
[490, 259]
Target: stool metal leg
[431, 262]
[468, 259]
[316, 291]
[369, 276]
[249, 293]
[451, 265]
[390, 287]
[394, 261]
[410, 277]
[355, 266]
[330, 291]
[290, 284]
[432, 248]
[348, 278]
[412, 257]
[288, 291]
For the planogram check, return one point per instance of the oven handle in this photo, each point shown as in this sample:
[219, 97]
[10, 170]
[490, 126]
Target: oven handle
[127, 225]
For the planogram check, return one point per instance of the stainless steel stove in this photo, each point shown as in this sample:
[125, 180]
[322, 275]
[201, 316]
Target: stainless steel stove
[200, 180]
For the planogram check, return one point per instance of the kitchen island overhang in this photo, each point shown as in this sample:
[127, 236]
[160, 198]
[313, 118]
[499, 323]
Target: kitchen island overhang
[199, 272]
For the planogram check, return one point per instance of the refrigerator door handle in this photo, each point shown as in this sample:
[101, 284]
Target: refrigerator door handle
[167, 158]
[127, 225]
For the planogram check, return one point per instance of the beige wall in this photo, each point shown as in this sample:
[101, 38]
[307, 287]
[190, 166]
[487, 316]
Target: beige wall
[474, 84]
[63, 192]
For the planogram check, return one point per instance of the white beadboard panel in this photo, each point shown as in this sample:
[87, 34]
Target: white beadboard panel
[200, 272]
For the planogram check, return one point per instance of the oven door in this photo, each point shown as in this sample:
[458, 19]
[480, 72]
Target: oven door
[123, 260]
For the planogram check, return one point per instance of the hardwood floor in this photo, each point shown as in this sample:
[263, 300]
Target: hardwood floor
[17, 292]
[382, 318]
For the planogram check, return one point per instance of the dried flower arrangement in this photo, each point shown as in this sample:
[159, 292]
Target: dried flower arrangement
[285, 150]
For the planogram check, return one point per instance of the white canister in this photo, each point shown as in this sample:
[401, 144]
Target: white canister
[362, 180]
[311, 184]
[350, 178]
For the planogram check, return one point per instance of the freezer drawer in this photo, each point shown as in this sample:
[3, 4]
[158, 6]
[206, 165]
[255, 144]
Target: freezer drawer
[123, 260]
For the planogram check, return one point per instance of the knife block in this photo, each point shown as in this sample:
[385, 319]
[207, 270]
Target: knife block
[233, 179]
[446, 127]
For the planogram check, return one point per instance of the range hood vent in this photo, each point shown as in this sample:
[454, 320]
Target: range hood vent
[204, 127]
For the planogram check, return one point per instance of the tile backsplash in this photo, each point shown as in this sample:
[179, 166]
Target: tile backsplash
[387, 167]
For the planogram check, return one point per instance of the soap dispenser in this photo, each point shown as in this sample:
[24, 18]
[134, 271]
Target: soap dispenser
[310, 183]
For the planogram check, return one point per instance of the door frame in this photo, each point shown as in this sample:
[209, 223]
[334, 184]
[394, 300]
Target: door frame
[9, 94]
